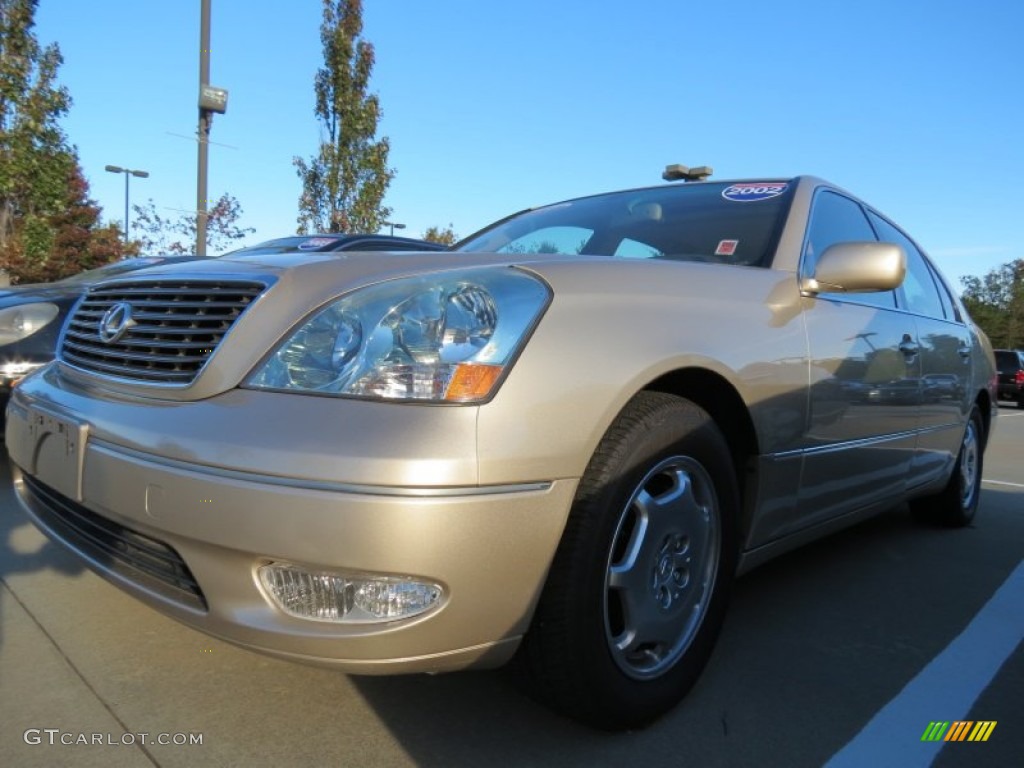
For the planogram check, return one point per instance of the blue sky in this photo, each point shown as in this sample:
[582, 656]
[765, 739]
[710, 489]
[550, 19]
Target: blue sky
[915, 105]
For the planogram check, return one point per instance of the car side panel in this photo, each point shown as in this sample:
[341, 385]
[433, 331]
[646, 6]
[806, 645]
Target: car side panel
[582, 365]
[864, 410]
[947, 394]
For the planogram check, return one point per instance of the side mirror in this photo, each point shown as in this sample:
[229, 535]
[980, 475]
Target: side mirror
[857, 268]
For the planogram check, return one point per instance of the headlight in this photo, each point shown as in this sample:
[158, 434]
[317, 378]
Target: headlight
[17, 323]
[444, 337]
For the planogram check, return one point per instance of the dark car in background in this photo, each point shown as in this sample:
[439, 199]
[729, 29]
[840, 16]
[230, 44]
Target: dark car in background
[338, 242]
[1010, 363]
[31, 316]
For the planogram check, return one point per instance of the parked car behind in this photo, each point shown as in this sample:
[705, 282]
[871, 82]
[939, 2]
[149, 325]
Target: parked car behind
[31, 316]
[1010, 363]
[559, 442]
[338, 242]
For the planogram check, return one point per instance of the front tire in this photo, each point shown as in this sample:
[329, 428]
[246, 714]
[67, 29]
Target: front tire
[637, 591]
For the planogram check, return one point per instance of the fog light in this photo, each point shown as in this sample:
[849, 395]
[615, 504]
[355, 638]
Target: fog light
[349, 598]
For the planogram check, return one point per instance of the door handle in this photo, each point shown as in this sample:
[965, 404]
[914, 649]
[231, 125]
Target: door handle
[964, 351]
[909, 347]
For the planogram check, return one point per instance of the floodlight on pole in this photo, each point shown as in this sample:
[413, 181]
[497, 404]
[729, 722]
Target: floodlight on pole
[393, 226]
[212, 100]
[203, 132]
[128, 172]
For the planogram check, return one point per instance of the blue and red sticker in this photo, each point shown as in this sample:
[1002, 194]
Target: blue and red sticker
[750, 191]
[314, 243]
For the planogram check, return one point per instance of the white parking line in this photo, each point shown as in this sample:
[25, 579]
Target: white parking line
[1003, 482]
[945, 689]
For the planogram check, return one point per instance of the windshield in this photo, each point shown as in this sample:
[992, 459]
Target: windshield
[732, 223]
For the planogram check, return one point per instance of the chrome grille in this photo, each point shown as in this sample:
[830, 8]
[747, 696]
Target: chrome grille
[177, 325]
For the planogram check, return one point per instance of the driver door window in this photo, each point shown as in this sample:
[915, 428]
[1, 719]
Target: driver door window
[838, 219]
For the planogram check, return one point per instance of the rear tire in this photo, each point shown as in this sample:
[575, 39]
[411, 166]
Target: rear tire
[956, 504]
[637, 591]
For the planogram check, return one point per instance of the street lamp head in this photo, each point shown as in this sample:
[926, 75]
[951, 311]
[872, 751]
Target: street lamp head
[119, 169]
[127, 173]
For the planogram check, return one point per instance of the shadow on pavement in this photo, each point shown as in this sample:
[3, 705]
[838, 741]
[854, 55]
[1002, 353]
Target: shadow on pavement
[814, 643]
[23, 548]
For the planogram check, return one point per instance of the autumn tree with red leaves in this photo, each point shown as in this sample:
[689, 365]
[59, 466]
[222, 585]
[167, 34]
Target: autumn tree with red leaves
[49, 228]
[65, 242]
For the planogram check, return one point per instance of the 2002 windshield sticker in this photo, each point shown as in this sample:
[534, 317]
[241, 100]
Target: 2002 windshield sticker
[757, 190]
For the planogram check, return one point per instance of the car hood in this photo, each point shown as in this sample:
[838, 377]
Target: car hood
[366, 263]
[61, 289]
[321, 276]
[27, 294]
[339, 271]
[300, 283]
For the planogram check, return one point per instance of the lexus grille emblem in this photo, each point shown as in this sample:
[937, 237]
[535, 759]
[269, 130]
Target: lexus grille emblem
[116, 321]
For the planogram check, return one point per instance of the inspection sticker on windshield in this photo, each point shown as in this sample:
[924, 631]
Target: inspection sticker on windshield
[754, 190]
[727, 248]
[314, 242]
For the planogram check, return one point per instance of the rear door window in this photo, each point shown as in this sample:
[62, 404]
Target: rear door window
[1007, 362]
[919, 293]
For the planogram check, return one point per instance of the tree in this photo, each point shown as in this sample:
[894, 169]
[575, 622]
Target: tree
[162, 234]
[34, 156]
[45, 248]
[996, 302]
[445, 236]
[49, 227]
[343, 185]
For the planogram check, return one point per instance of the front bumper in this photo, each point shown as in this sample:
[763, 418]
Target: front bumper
[489, 548]
[1010, 392]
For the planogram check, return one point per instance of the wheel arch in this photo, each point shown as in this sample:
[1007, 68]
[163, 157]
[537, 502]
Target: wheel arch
[723, 402]
[985, 405]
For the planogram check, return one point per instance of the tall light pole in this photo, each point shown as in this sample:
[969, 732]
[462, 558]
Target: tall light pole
[393, 226]
[127, 173]
[211, 99]
[205, 119]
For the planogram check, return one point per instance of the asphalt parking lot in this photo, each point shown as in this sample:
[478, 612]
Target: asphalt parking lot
[841, 653]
